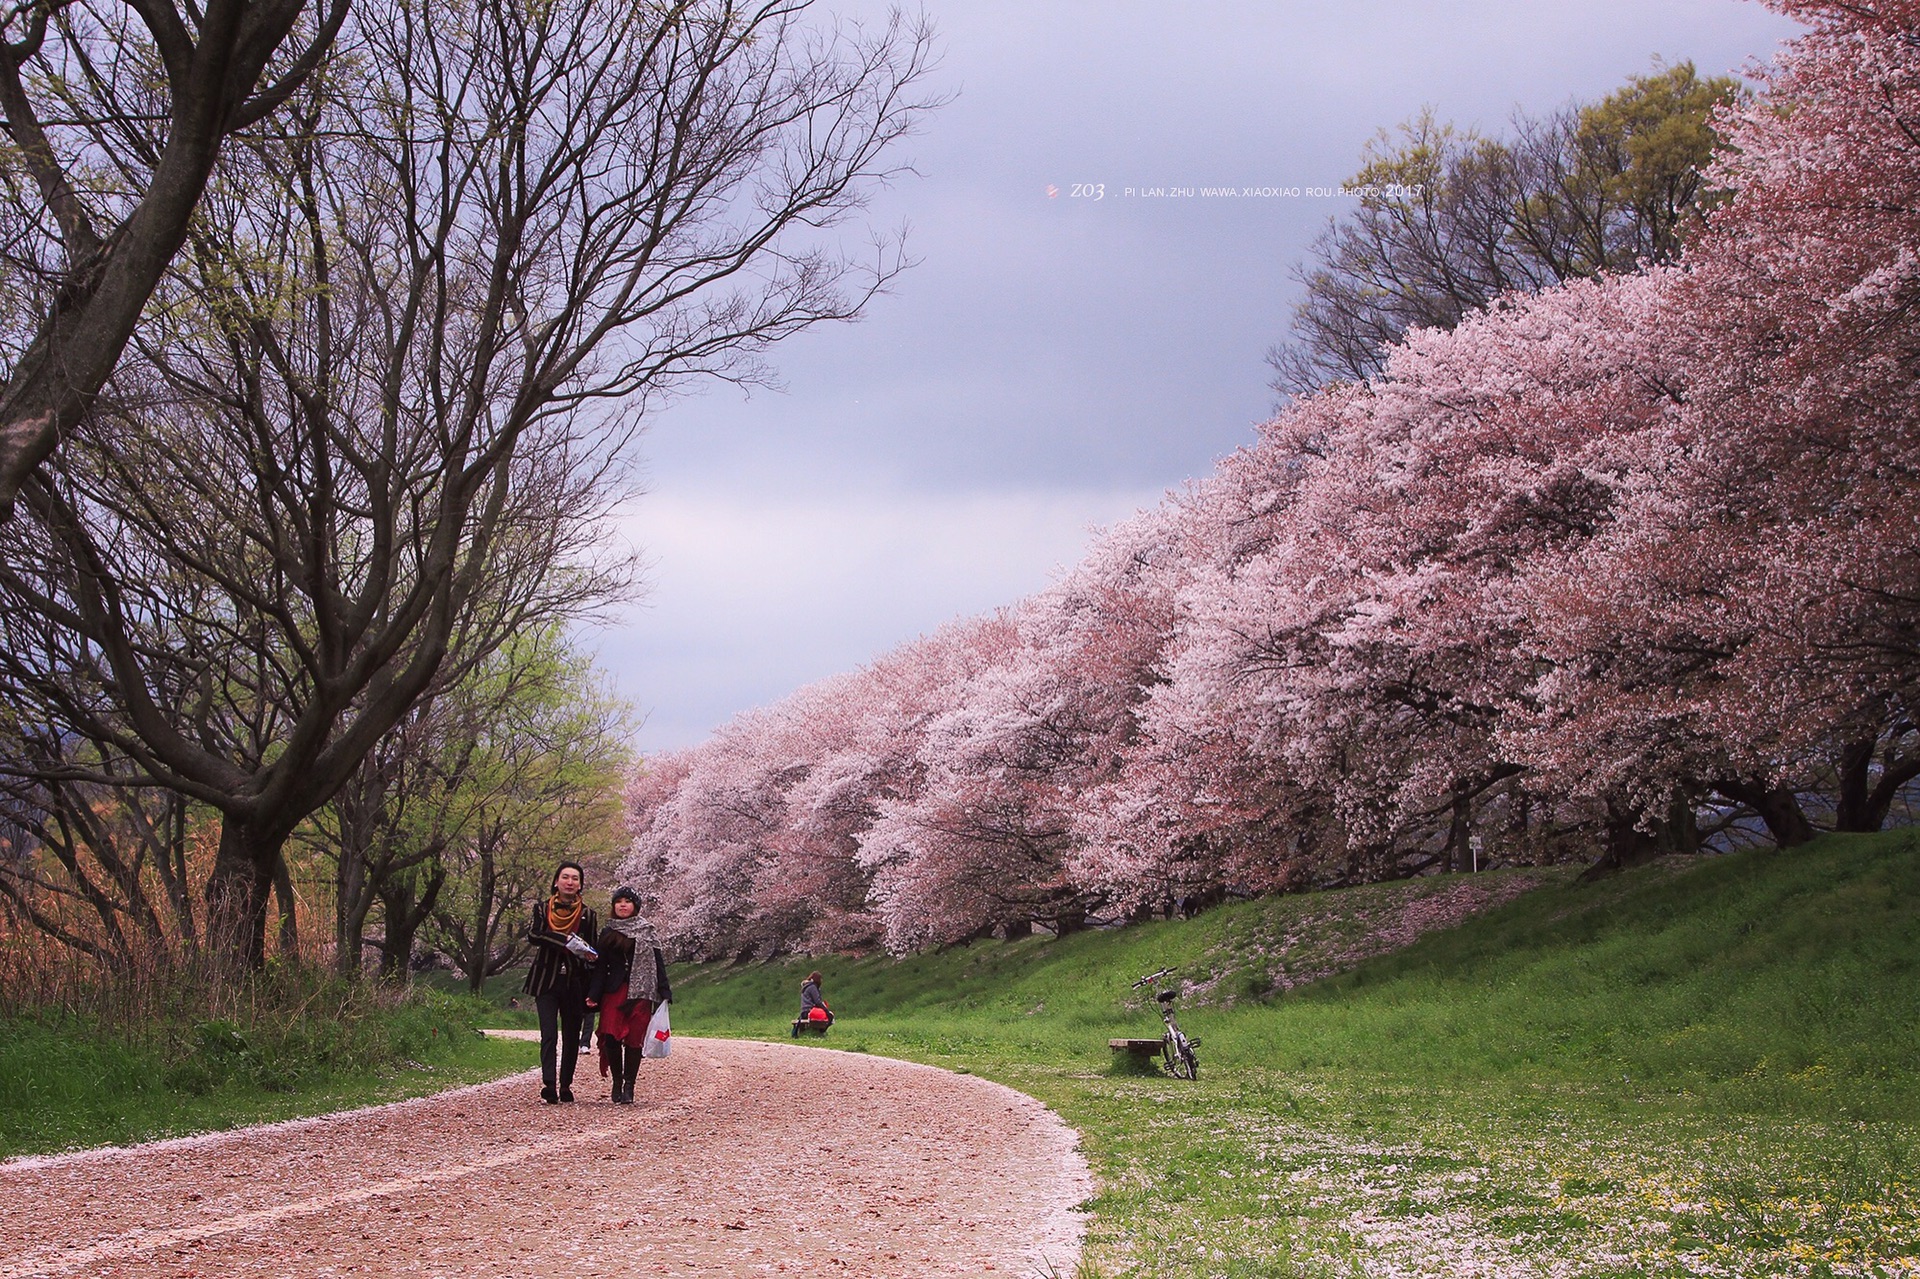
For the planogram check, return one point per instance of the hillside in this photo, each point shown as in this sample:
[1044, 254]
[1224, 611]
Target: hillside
[1701, 1066]
[1249, 950]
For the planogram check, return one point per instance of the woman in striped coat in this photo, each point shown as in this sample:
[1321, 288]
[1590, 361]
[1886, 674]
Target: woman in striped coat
[561, 929]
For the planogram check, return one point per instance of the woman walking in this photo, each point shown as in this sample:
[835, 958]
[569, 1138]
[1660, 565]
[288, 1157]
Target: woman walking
[558, 978]
[629, 982]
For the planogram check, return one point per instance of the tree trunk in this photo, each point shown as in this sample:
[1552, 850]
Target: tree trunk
[1627, 845]
[289, 922]
[172, 867]
[403, 914]
[1880, 798]
[350, 903]
[1459, 826]
[1681, 834]
[1850, 812]
[352, 881]
[237, 890]
[1864, 804]
[1776, 805]
[484, 921]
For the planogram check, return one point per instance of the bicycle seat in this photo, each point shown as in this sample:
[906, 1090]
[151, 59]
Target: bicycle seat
[1167, 996]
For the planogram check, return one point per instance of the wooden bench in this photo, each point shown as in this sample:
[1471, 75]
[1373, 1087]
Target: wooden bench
[1141, 1048]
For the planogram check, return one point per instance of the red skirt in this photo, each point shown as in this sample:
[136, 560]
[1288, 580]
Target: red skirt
[626, 1023]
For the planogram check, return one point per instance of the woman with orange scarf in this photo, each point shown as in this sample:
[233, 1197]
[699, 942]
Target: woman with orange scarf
[559, 929]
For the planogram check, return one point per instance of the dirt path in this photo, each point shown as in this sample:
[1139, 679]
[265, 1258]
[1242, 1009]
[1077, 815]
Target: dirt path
[738, 1159]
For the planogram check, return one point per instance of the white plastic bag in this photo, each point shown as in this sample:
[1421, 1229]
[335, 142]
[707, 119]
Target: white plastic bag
[659, 1034]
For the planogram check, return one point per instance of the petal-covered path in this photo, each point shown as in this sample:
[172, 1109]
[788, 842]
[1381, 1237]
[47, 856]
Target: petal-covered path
[738, 1158]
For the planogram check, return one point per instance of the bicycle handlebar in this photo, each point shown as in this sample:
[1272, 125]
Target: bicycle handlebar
[1150, 978]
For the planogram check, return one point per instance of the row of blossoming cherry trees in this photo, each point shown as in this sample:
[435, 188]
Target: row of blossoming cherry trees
[1603, 567]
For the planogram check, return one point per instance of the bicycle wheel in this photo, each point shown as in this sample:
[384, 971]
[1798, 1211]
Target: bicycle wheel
[1180, 1060]
[1193, 1062]
[1170, 1056]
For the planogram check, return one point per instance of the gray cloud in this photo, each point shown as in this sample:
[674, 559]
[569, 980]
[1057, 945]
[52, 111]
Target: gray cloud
[1058, 351]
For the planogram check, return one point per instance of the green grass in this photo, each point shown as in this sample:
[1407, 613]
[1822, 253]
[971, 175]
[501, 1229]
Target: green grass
[500, 1001]
[67, 1084]
[1702, 1067]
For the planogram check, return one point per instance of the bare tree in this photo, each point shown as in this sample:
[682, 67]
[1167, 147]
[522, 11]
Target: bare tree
[102, 869]
[386, 828]
[380, 417]
[116, 112]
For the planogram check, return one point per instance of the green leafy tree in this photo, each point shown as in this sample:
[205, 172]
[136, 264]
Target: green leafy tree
[454, 819]
[1448, 220]
[542, 783]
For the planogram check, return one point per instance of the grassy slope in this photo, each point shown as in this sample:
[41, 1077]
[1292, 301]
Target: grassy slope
[1701, 1067]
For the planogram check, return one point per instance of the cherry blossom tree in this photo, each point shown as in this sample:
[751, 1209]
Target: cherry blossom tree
[1189, 810]
[1809, 418]
[1758, 578]
[887, 765]
[1008, 770]
[763, 837]
[1596, 563]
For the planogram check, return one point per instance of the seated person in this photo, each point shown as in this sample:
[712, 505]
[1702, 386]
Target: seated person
[812, 1007]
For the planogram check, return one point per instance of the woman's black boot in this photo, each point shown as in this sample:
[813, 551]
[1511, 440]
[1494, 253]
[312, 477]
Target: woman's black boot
[633, 1073]
[610, 1053]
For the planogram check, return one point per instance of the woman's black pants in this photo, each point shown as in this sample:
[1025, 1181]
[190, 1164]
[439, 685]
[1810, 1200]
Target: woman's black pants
[560, 1018]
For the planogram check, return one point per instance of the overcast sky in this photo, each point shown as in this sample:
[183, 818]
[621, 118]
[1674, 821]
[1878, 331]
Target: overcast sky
[1056, 361]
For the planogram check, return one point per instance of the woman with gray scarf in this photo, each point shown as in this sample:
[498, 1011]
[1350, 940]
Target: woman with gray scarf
[629, 982]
